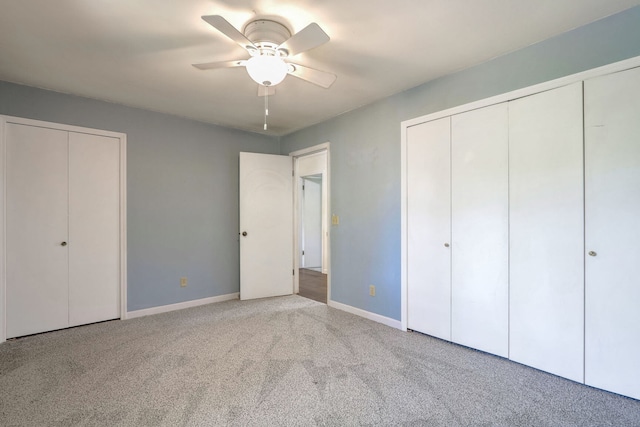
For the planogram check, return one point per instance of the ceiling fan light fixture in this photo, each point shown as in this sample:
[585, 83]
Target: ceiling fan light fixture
[267, 70]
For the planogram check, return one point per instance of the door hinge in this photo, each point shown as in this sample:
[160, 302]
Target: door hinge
[303, 188]
[302, 252]
[293, 272]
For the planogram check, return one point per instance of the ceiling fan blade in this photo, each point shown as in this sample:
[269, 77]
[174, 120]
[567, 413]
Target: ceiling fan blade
[266, 90]
[223, 64]
[321, 78]
[222, 25]
[306, 39]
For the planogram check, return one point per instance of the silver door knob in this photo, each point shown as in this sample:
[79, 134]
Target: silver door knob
[592, 253]
[63, 244]
[446, 245]
[244, 233]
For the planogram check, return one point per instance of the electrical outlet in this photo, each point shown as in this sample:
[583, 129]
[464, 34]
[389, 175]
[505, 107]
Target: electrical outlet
[372, 290]
[335, 219]
[183, 282]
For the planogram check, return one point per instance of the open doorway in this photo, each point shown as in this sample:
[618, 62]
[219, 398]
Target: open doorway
[311, 207]
[313, 280]
[311, 223]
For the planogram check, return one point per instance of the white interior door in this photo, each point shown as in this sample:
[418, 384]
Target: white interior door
[266, 225]
[94, 234]
[36, 230]
[547, 231]
[612, 162]
[429, 228]
[312, 223]
[480, 229]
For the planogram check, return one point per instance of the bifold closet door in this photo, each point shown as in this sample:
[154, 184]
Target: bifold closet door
[63, 229]
[94, 228]
[612, 196]
[429, 228]
[36, 229]
[480, 229]
[547, 231]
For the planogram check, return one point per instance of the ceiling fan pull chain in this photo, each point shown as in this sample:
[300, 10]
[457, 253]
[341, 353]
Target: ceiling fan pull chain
[266, 107]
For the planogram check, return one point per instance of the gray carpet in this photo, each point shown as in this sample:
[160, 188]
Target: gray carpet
[279, 361]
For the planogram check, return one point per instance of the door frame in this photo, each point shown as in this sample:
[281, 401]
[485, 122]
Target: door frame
[123, 207]
[325, 147]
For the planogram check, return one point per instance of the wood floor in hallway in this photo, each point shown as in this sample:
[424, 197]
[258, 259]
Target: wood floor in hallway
[313, 285]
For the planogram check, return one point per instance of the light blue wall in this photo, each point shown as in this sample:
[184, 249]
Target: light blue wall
[182, 185]
[183, 175]
[365, 150]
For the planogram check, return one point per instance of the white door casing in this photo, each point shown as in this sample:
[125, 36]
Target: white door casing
[312, 161]
[266, 225]
[429, 228]
[612, 232]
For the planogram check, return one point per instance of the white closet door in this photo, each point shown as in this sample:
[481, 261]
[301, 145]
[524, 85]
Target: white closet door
[547, 231]
[612, 154]
[94, 228]
[480, 229]
[36, 227]
[429, 228]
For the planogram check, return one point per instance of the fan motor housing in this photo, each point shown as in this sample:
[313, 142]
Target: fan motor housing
[264, 32]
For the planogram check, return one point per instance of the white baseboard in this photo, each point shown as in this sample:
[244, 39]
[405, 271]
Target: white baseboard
[366, 314]
[180, 305]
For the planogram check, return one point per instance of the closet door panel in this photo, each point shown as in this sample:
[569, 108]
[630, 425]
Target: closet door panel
[36, 227]
[480, 245]
[94, 235]
[612, 161]
[547, 231]
[429, 228]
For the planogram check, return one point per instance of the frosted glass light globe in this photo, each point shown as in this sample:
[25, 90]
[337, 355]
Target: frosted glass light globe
[267, 70]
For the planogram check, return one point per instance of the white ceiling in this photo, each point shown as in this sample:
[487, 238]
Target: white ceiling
[139, 52]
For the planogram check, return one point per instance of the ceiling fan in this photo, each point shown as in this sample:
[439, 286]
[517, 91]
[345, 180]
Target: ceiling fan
[270, 45]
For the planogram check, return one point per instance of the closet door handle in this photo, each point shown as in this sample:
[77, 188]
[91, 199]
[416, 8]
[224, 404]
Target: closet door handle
[592, 253]
[446, 245]
[63, 244]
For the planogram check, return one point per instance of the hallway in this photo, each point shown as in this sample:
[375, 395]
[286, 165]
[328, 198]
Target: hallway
[313, 285]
